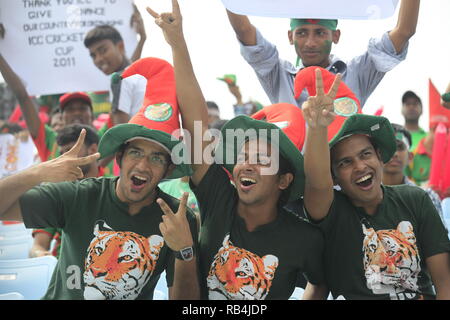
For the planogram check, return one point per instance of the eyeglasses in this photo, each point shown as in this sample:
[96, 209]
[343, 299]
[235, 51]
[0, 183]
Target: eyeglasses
[156, 159]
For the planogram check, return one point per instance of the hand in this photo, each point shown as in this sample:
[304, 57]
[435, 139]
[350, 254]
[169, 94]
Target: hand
[175, 227]
[170, 23]
[67, 166]
[138, 24]
[318, 110]
[236, 92]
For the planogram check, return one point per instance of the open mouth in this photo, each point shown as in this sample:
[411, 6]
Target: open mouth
[365, 181]
[138, 181]
[247, 182]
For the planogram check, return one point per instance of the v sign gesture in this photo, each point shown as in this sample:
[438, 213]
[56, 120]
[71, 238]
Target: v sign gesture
[318, 110]
[170, 23]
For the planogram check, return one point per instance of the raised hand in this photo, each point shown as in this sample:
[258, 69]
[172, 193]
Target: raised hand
[137, 23]
[318, 109]
[170, 23]
[67, 166]
[175, 227]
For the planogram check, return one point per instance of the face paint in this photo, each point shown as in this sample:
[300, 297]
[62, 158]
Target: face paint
[326, 49]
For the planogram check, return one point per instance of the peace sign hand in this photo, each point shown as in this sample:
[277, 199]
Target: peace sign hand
[318, 109]
[175, 227]
[67, 166]
[170, 23]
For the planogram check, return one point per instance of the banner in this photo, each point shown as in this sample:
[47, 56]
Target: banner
[324, 9]
[438, 114]
[44, 41]
[15, 154]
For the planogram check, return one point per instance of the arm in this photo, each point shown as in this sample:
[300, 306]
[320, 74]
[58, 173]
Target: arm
[26, 104]
[177, 234]
[406, 23]
[138, 24]
[315, 292]
[63, 168]
[318, 115]
[41, 245]
[439, 268]
[245, 31]
[190, 97]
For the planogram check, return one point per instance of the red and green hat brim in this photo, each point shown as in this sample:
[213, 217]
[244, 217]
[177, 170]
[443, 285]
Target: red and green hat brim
[376, 127]
[120, 134]
[286, 149]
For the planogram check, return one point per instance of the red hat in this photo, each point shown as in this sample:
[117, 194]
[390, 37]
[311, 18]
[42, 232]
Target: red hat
[345, 103]
[66, 98]
[158, 118]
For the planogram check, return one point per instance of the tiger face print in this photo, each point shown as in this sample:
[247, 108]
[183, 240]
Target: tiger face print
[119, 264]
[391, 260]
[238, 274]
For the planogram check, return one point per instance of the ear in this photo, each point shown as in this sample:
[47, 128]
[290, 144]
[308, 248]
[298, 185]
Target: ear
[410, 156]
[285, 181]
[336, 35]
[121, 46]
[290, 34]
[119, 157]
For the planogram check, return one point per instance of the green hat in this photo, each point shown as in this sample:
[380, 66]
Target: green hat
[158, 118]
[330, 24]
[230, 79]
[377, 127]
[286, 119]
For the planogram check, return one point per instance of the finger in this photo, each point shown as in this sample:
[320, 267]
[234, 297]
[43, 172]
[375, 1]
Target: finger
[152, 13]
[335, 87]
[88, 159]
[167, 17]
[183, 203]
[163, 229]
[77, 147]
[165, 207]
[319, 83]
[176, 7]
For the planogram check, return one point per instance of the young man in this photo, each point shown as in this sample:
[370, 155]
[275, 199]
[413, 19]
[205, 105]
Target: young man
[120, 233]
[382, 242]
[66, 139]
[313, 40]
[394, 169]
[250, 247]
[411, 112]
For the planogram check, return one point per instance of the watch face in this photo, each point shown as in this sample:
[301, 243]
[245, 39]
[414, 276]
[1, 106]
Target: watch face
[187, 253]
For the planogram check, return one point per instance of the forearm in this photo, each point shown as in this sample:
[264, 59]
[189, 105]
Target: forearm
[245, 31]
[185, 283]
[138, 51]
[315, 292]
[406, 24]
[26, 104]
[317, 159]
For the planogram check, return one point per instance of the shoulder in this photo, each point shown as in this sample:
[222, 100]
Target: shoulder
[299, 222]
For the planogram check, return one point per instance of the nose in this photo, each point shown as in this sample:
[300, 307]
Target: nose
[360, 165]
[310, 41]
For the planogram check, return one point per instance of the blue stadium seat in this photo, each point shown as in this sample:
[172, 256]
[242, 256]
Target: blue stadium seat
[161, 291]
[297, 294]
[13, 230]
[12, 296]
[28, 277]
[15, 247]
[446, 208]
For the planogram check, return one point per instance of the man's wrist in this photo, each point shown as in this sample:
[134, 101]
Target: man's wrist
[186, 254]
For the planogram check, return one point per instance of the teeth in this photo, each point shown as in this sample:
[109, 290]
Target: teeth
[140, 178]
[248, 180]
[366, 177]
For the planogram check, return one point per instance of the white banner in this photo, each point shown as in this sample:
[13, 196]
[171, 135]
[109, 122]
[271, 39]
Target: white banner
[321, 9]
[44, 41]
[15, 154]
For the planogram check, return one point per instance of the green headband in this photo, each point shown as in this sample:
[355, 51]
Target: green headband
[327, 23]
[402, 137]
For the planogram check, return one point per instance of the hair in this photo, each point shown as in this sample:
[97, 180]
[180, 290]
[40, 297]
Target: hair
[285, 167]
[102, 32]
[212, 105]
[410, 94]
[402, 129]
[70, 134]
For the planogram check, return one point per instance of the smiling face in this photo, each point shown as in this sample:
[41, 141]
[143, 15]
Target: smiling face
[313, 44]
[107, 56]
[357, 169]
[77, 111]
[252, 185]
[143, 165]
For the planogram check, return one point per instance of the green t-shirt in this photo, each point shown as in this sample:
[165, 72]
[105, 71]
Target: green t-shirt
[236, 264]
[416, 136]
[176, 188]
[383, 256]
[105, 252]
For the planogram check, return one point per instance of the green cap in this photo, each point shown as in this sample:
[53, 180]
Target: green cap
[376, 127]
[230, 79]
[330, 24]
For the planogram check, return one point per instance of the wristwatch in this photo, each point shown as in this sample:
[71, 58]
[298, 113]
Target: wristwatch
[186, 254]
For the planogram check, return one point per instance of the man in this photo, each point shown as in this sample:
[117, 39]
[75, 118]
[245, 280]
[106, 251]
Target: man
[250, 248]
[411, 111]
[213, 112]
[373, 232]
[66, 139]
[313, 39]
[120, 233]
[394, 170]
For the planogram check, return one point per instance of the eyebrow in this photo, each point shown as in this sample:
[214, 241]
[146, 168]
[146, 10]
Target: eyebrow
[348, 157]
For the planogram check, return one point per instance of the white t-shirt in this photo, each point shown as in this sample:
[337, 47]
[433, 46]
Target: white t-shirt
[132, 92]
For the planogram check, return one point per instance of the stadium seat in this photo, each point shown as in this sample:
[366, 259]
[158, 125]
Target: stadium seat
[297, 294]
[12, 296]
[8, 230]
[28, 277]
[161, 291]
[15, 247]
[446, 208]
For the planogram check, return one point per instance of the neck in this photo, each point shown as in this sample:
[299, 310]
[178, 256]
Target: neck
[393, 179]
[412, 125]
[370, 206]
[93, 172]
[257, 215]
